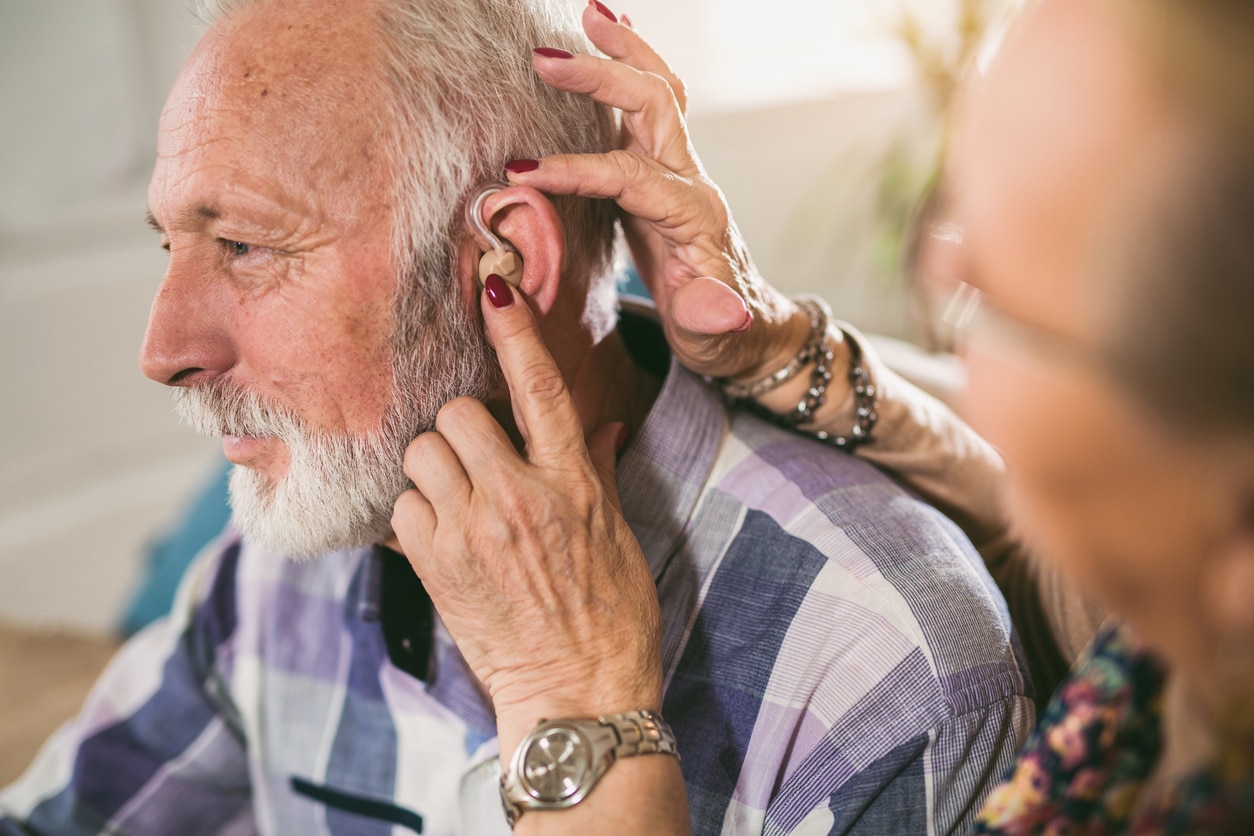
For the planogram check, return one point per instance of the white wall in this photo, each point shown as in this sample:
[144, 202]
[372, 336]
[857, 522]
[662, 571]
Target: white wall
[91, 458]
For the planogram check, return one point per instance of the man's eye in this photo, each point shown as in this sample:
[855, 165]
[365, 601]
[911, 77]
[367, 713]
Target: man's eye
[239, 248]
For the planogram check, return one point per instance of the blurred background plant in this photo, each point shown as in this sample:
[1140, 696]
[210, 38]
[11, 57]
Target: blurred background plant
[942, 61]
[911, 167]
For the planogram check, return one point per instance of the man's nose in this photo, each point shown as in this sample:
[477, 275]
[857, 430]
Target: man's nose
[187, 341]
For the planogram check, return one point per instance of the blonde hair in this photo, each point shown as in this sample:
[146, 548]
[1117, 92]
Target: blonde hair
[1185, 339]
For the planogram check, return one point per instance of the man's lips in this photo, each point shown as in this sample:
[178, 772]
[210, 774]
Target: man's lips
[244, 449]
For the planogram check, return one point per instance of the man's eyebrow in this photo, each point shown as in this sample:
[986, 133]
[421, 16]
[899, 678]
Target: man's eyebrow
[207, 212]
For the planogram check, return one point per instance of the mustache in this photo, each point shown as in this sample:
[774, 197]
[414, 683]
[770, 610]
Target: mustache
[222, 408]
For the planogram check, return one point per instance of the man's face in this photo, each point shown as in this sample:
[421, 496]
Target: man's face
[276, 314]
[1050, 151]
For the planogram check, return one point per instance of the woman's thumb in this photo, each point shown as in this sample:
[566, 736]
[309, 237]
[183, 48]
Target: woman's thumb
[708, 307]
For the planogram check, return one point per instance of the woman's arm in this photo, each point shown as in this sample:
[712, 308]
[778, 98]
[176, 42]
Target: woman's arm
[538, 536]
[538, 578]
[724, 320]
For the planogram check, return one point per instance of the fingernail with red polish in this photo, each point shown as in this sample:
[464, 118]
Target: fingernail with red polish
[521, 166]
[552, 52]
[498, 291]
[620, 441]
[626, 21]
[605, 10]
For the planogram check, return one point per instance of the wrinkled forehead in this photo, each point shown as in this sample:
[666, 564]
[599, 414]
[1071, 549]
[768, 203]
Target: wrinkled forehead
[326, 49]
[301, 82]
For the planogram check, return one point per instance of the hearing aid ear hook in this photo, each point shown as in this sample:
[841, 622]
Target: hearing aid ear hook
[502, 259]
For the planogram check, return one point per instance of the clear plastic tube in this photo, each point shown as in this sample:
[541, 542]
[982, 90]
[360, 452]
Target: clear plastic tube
[474, 216]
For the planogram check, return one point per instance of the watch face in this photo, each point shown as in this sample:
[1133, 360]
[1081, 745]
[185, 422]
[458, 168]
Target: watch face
[556, 764]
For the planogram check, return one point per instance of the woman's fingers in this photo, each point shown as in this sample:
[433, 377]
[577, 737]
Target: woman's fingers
[543, 408]
[682, 237]
[437, 472]
[613, 35]
[641, 187]
[414, 523]
[707, 307]
[651, 113]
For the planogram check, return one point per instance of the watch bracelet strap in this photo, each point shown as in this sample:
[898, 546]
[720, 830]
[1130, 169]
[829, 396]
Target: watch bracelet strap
[640, 732]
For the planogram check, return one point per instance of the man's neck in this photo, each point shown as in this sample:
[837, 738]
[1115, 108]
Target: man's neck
[606, 385]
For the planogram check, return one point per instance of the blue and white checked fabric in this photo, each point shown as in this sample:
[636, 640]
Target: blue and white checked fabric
[837, 661]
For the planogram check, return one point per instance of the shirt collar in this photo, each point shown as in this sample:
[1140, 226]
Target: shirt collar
[666, 466]
[662, 471]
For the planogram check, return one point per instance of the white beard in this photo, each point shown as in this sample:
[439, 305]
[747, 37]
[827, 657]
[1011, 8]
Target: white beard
[337, 492]
[339, 488]
[317, 506]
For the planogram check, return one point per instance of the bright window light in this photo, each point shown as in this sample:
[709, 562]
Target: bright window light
[736, 54]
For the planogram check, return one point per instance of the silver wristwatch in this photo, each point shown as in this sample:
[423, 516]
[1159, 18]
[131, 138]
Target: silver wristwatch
[560, 761]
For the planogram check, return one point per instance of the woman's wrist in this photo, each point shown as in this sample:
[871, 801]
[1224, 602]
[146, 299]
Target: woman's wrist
[816, 382]
[638, 796]
[836, 407]
[786, 331]
[516, 718]
[754, 386]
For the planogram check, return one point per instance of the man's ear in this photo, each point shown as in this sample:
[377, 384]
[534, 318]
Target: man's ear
[525, 218]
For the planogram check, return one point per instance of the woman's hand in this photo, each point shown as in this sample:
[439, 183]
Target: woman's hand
[527, 557]
[720, 317]
[538, 578]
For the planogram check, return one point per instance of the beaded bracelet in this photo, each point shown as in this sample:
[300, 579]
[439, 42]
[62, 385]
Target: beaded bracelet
[864, 415]
[753, 389]
[817, 349]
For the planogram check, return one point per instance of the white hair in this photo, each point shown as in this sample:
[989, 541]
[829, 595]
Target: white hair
[463, 100]
[460, 100]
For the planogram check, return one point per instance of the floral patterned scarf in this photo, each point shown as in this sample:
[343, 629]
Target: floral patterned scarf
[1083, 769]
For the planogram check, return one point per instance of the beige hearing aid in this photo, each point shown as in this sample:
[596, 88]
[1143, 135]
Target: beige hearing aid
[502, 258]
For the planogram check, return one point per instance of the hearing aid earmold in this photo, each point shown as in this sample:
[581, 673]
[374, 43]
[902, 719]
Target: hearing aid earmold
[502, 259]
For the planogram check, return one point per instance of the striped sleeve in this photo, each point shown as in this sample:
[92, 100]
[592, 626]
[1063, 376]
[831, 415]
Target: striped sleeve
[934, 783]
[156, 748]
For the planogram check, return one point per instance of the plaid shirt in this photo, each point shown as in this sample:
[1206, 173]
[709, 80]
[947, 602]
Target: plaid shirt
[836, 660]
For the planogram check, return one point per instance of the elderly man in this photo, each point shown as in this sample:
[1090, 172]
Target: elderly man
[832, 645]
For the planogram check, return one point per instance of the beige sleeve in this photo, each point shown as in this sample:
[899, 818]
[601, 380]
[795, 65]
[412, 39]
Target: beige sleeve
[925, 444]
